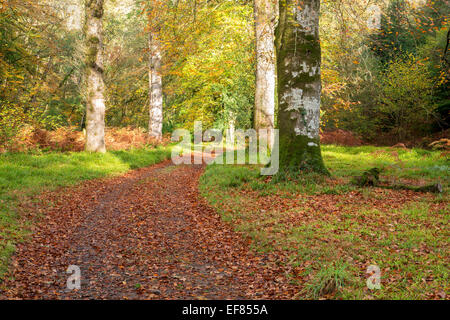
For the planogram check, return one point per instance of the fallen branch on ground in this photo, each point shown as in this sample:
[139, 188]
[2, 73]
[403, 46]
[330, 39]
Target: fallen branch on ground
[371, 178]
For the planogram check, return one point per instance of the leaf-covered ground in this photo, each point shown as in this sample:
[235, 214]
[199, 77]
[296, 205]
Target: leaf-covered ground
[25, 175]
[145, 235]
[159, 233]
[327, 232]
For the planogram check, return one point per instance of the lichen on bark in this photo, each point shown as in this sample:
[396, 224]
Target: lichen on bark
[95, 87]
[299, 85]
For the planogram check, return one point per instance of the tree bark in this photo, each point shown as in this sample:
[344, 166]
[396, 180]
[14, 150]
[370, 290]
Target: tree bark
[264, 15]
[155, 88]
[95, 86]
[299, 85]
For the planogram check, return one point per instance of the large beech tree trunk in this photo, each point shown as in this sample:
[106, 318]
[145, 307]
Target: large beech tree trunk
[95, 86]
[299, 85]
[264, 14]
[155, 88]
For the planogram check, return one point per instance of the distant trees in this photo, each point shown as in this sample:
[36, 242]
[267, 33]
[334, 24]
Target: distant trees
[359, 59]
[209, 65]
[40, 75]
[215, 71]
[95, 86]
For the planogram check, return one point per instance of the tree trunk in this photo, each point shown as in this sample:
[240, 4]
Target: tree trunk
[155, 88]
[264, 14]
[299, 85]
[95, 86]
[231, 130]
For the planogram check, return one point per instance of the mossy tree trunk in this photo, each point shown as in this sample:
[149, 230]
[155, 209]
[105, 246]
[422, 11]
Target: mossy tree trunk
[95, 86]
[299, 85]
[264, 15]
[155, 88]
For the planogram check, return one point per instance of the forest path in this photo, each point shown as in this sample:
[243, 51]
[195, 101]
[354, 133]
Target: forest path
[144, 235]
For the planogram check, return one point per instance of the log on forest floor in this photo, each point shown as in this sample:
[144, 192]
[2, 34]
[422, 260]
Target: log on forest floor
[371, 178]
[433, 188]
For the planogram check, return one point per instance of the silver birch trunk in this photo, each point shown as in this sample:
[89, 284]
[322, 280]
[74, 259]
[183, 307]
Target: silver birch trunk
[264, 15]
[95, 86]
[299, 85]
[230, 131]
[155, 88]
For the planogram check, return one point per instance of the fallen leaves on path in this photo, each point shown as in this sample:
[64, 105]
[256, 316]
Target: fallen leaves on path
[144, 235]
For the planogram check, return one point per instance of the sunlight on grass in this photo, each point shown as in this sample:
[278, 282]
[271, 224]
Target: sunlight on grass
[415, 163]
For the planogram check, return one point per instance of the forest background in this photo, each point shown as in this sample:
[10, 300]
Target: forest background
[385, 84]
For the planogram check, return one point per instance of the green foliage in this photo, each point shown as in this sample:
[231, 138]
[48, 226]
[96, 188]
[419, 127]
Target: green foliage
[38, 69]
[215, 82]
[407, 101]
[394, 37]
[432, 53]
[384, 84]
[208, 72]
[126, 70]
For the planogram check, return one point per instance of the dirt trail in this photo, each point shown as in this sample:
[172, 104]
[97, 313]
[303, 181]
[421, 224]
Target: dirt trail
[145, 235]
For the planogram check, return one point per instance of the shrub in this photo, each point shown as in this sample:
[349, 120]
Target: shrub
[407, 104]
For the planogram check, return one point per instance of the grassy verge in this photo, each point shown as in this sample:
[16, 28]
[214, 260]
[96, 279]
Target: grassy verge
[328, 232]
[24, 175]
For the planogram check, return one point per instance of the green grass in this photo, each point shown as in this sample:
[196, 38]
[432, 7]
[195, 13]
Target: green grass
[328, 279]
[24, 175]
[400, 163]
[330, 231]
